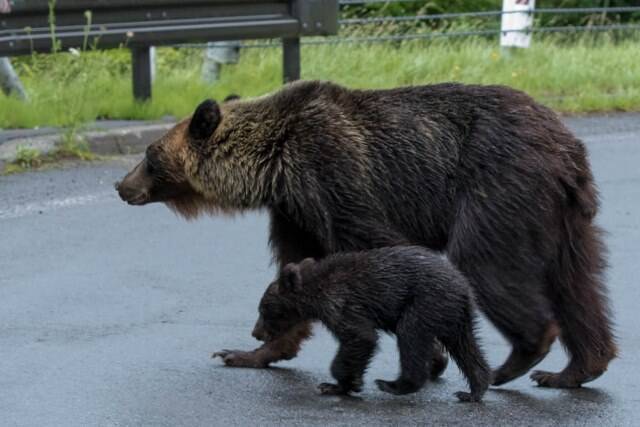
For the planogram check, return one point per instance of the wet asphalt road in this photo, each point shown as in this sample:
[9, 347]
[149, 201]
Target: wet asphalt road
[108, 314]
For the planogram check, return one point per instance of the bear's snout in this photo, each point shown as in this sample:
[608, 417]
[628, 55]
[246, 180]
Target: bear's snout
[258, 335]
[135, 188]
[132, 196]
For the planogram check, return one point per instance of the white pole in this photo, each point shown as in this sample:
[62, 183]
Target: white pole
[517, 21]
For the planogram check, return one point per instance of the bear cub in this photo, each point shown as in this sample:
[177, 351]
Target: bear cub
[408, 291]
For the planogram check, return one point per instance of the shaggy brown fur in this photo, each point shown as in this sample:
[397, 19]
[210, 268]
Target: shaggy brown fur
[408, 291]
[481, 172]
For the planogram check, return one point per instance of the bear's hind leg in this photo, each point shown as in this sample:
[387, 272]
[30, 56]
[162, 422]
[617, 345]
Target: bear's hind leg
[531, 331]
[520, 310]
[525, 356]
[582, 307]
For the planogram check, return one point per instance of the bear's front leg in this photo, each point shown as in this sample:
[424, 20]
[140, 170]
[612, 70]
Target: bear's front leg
[242, 359]
[283, 348]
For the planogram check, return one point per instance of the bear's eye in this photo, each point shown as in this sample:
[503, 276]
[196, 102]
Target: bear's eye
[150, 168]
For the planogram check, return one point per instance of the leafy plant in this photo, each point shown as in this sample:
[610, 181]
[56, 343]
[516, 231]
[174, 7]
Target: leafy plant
[73, 146]
[28, 158]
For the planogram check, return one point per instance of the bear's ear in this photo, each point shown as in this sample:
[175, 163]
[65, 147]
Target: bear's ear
[290, 279]
[205, 120]
[307, 262]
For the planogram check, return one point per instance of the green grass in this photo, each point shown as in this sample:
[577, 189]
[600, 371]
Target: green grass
[27, 158]
[71, 147]
[577, 77]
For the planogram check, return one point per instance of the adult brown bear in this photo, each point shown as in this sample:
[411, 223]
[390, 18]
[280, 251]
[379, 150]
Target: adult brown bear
[482, 173]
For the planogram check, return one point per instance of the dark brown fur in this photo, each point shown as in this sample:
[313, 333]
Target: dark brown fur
[408, 291]
[481, 172]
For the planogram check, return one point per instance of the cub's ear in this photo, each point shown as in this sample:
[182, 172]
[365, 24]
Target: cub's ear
[205, 120]
[307, 262]
[231, 97]
[290, 278]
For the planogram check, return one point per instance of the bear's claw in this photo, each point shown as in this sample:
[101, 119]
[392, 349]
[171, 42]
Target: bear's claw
[240, 359]
[553, 380]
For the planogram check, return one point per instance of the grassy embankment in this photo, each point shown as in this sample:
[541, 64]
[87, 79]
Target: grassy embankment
[583, 76]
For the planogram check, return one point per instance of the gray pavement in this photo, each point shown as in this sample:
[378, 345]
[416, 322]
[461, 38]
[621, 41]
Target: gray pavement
[113, 137]
[108, 314]
[99, 125]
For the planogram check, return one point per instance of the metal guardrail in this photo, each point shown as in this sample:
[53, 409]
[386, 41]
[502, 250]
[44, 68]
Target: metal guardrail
[483, 32]
[139, 24]
[437, 34]
[483, 14]
[34, 26]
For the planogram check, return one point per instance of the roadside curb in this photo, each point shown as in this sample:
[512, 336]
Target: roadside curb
[124, 140]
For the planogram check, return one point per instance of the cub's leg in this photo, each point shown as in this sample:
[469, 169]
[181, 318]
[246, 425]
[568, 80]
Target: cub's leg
[439, 361]
[464, 349]
[357, 346]
[416, 347]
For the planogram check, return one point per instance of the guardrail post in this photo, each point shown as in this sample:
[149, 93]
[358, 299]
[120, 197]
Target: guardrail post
[9, 81]
[141, 72]
[290, 59]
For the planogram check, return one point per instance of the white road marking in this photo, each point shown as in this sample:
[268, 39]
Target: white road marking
[26, 209]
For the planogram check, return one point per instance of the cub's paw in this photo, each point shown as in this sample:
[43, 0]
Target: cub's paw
[463, 396]
[388, 386]
[329, 389]
[240, 359]
[397, 387]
